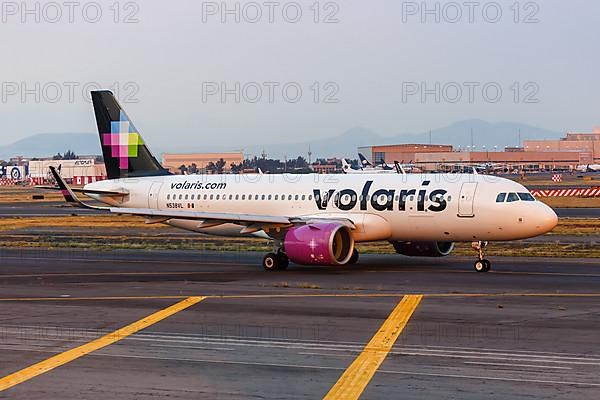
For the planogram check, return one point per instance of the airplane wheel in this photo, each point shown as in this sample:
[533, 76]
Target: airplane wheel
[482, 265]
[354, 257]
[284, 261]
[271, 262]
[488, 265]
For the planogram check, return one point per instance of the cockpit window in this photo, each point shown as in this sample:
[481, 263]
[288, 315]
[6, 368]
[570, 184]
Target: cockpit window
[500, 198]
[512, 197]
[526, 197]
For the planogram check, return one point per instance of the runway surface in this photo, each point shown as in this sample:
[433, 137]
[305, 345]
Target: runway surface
[215, 326]
[578, 212]
[46, 209]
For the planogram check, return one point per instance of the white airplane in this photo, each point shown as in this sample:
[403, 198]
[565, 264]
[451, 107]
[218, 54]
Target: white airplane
[397, 167]
[311, 219]
[588, 168]
[347, 169]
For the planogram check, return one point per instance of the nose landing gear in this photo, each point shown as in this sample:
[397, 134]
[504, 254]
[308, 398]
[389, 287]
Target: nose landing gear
[482, 264]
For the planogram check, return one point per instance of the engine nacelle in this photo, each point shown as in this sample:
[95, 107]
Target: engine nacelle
[319, 244]
[423, 249]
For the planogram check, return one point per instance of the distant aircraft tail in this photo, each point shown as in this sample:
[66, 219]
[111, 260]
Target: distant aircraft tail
[346, 167]
[363, 160]
[124, 151]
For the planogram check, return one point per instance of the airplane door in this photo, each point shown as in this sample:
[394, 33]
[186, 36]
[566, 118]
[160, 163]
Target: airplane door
[153, 195]
[466, 199]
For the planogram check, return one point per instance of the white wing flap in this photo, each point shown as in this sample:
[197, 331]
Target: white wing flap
[242, 219]
[211, 219]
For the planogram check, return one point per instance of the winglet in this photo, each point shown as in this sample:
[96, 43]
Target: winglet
[68, 194]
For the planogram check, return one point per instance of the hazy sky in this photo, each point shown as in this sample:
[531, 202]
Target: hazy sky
[369, 67]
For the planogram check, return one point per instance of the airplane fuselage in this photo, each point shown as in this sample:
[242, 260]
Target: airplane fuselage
[410, 207]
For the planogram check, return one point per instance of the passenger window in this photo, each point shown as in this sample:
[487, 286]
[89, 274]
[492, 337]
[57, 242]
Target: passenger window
[296, 197]
[303, 197]
[180, 197]
[168, 197]
[526, 197]
[211, 196]
[500, 198]
[237, 196]
[256, 197]
[263, 197]
[269, 198]
[290, 197]
[218, 197]
[276, 197]
[205, 196]
[186, 196]
[310, 197]
[193, 196]
[243, 197]
[512, 197]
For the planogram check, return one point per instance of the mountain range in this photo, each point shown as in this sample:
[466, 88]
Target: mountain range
[492, 135]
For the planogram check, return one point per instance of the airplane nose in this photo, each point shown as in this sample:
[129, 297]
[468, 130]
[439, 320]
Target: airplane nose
[547, 218]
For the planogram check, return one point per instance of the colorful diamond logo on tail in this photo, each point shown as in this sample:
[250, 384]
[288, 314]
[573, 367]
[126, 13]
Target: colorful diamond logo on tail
[123, 140]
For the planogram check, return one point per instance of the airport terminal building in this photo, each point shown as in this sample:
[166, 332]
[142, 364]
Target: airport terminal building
[565, 153]
[198, 162]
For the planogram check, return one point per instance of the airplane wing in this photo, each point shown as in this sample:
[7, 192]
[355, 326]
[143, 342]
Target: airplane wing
[250, 222]
[83, 191]
[203, 216]
[69, 194]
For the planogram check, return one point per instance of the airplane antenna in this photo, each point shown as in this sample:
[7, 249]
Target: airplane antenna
[309, 155]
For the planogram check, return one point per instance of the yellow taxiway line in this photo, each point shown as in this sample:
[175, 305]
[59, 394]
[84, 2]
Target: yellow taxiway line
[73, 354]
[358, 375]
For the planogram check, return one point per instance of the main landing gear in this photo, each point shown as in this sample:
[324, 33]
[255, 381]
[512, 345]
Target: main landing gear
[482, 264]
[277, 261]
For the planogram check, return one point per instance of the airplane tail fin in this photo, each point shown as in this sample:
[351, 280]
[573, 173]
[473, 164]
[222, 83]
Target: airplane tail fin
[346, 167]
[125, 153]
[363, 160]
